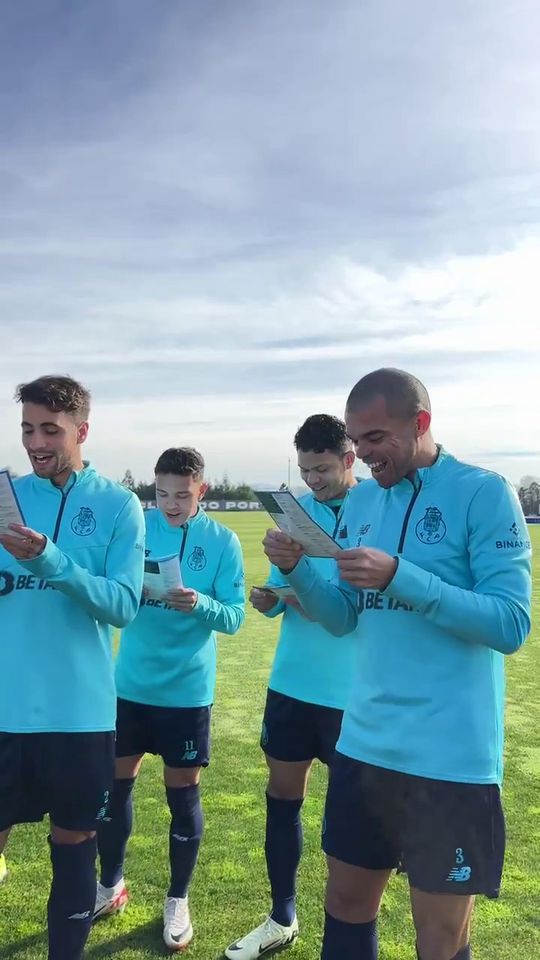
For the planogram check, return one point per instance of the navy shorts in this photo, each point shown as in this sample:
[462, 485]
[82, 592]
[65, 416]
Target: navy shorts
[67, 775]
[294, 730]
[179, 735]
[448, 837]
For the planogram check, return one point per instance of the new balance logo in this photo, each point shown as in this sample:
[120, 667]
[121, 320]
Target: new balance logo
[190, 753]
[460, 874]
[80, 916]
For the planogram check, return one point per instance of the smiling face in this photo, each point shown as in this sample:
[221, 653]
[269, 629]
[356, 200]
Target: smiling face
[328, 475]
[52, 441]
[178, 497]
[389, 446]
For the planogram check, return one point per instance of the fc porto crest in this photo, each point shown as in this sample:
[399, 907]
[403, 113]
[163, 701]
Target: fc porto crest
[197, 559]
[84, 523]
[431, 528]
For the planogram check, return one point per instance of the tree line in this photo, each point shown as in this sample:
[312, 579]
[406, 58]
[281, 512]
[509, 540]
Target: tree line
[218, 489]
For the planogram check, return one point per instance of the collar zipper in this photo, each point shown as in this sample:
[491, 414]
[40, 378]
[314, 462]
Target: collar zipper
[183, 547]
[65, 495]
[408, 516]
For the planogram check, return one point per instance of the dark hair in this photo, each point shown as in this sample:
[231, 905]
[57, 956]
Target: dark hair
[403, 394]
[59, 394]
[322, 432]
[183, 461]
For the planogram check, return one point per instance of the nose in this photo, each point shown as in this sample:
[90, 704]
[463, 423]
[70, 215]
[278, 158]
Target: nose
[36, 443]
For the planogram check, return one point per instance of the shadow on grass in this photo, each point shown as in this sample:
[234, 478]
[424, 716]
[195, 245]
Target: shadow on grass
[147, 936]
[18, 948]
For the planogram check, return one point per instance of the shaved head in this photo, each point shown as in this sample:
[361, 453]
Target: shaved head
[403, 394]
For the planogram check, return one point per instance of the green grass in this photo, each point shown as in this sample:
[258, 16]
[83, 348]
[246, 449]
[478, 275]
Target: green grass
[230, 891]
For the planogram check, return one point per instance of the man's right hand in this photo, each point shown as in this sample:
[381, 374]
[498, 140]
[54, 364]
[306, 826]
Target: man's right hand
[281, 550]
[262, 600]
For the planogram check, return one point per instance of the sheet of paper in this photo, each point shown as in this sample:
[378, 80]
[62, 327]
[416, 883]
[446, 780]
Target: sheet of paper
[162, 575]
[10, 511]
[284, 592]
[291, 517]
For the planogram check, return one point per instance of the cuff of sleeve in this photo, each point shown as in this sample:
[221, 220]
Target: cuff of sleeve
[200, 610]
[48, 564]
[303, 577]
[278, 608]
[410, 584]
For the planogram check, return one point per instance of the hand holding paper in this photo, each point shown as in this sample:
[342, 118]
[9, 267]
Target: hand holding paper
[367, 568]
[22, 542]
[262, 600]
[281, 550]
[182, 599]
[292, 519]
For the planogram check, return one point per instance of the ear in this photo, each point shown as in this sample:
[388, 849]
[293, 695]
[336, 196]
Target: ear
[349, 459]
[82, 432]
[202, 490]
[423, 423]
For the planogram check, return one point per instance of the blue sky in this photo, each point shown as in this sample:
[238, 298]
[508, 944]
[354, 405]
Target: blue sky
[219, 215]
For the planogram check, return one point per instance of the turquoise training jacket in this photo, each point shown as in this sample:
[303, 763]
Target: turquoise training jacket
[55, 611]
[168, 658]
[307, 665]
[427, 697]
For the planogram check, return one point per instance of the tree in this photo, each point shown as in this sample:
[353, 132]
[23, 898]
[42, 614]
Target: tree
[146, 491]
[243, 492]
[529, 495]
[224, 490]
[128, 482]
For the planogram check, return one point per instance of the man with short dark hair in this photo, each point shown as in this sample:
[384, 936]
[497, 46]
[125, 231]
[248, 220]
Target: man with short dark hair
[438, 554]
[74, 569]
[307, 690]
[165, 675]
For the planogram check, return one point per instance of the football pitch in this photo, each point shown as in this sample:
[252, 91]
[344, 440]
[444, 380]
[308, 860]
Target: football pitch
[229, 894]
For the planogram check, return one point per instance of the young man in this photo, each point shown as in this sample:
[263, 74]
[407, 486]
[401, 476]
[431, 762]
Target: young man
[165, 675]
[307, 689]
[439, 553]
[76, 567]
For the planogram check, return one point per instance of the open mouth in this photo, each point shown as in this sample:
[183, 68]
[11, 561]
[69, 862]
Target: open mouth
[377, 467]
[41, 459]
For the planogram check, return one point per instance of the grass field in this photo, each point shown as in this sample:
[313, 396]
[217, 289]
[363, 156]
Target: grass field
[230, 892]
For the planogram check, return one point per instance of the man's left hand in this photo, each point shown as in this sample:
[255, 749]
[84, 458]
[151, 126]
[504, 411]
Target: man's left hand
[23, 543]
[182, 599]
[366, 569]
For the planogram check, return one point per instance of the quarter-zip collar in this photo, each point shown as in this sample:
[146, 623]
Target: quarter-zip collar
[44, 485]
